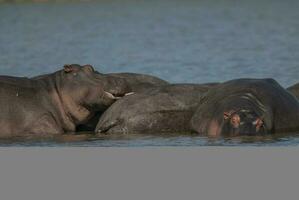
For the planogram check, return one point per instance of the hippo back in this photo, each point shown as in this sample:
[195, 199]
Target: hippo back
[22, 81]
[294, 90]
[163, 109]
[140, 82]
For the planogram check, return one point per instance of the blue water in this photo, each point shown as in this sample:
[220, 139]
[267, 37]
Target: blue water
[180, 41]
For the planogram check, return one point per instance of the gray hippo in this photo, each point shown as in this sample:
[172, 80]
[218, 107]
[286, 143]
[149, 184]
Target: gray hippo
[139, 82]
[294, 90]
[54, 103]
[246, 107]
[117, 86]
[166, 109]
[136, 82]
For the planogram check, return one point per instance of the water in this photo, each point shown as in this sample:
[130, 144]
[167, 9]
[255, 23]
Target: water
[154, 141]
[180, 41]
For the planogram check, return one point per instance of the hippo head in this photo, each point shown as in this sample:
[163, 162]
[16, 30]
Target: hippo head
[243, 115]
[233, 116]
[243, 122]
[81, 85]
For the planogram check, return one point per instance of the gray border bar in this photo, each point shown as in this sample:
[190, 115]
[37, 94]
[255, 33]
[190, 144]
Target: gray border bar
[149, 173]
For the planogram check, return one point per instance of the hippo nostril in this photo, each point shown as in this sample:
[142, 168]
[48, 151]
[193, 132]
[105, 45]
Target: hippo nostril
[235, 121]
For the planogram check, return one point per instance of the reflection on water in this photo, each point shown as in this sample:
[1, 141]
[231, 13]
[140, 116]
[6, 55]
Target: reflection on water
[180, 41]
[155, 140]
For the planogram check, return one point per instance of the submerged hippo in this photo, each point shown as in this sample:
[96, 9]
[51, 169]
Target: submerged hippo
[294, 90]
[167, 109]
[136, 82]
[246, 106]
[54, 103]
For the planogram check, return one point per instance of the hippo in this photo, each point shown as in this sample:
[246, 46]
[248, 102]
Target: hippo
[294, 90]
[166, 109]
[246, 107]
[54, 103]
[136, 82]
[139, 82]
[115, 85]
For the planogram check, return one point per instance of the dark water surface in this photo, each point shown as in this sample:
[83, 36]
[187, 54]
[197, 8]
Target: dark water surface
[180, 41]
[154, 141]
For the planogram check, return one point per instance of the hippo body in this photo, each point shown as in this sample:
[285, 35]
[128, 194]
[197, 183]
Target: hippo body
[140, 82]
[166, 109]
[51, 104]
[246, 107]
[294, 90]
[136, 82]
[24, 81]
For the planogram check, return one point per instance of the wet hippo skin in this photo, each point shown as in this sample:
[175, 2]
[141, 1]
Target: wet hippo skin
[139, 82]
[294, 90]
[246, 107]
[136, 82]
[54, 103]
[166, 109]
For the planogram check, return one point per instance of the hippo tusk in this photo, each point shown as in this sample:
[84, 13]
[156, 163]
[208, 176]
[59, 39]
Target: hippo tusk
[111, 96]
[130, 93]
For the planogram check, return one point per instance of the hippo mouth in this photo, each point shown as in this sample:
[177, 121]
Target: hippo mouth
[117, 96]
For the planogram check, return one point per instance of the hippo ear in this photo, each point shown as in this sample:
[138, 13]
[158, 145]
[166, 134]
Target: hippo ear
[88, 68]
[258, 123]
[67, 68]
